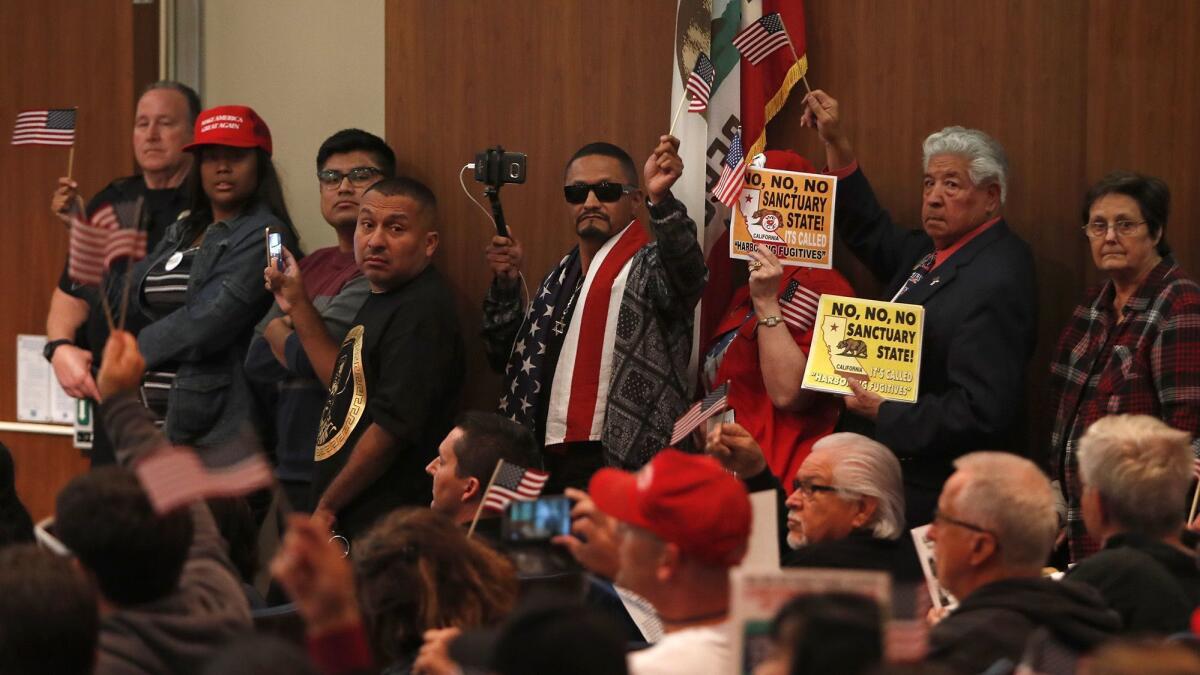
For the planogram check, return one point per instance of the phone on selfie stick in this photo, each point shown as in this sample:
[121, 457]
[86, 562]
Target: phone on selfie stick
[494, 167]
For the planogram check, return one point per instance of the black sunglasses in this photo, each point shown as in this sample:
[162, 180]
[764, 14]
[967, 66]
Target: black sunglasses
[606, 192]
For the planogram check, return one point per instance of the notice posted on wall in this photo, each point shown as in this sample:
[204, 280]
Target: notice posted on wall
[875, 343]
[39, 397]
[789, 213]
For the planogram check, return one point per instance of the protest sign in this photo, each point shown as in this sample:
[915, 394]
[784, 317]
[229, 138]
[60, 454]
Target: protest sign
[937, 593]
[788, 212]
[875, 343]
[757, 595]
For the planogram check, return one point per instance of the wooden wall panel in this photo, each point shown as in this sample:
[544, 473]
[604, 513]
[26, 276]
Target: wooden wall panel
[1072, 88]
[1143, 102]
[539, 77]
[901, 70]
[56, 53]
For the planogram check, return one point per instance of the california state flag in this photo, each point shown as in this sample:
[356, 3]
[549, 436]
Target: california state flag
[743, 95]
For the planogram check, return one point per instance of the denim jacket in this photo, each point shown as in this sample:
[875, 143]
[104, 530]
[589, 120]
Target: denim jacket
[208, 336]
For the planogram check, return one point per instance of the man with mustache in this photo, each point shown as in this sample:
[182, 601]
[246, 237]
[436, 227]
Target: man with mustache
[975, 278]
[596, 363]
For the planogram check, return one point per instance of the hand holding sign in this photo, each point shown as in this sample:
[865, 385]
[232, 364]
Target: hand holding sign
[867, 349]
[788, 213]
[764, 281]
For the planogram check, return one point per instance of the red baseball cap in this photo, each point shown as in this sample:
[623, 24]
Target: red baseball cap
[686, 500]
[237, 126]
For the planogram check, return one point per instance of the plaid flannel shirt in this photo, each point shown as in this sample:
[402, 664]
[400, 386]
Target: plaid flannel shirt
[1147, 364]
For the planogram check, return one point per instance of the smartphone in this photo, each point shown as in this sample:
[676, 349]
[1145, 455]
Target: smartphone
[274, 249]
[537, 521]
[495, 166]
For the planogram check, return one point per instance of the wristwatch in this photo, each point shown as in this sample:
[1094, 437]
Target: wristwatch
[770, 321]
[48, 350]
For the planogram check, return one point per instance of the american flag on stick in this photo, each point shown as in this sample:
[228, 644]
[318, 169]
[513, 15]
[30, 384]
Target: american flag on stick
[513, 483]
[45, 127]
[799, 306]
[761, 38]
[173, 477]
[700, 82]
[95, 245]
[716, 402]
[732, 174]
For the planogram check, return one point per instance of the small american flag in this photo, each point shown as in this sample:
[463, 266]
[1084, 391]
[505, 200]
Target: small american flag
[513, 483]
[173, 477]
[732, 174]
[96, 245]
[699, 83]
[45, 127]
[799, 306]
[761, 38]
[716, 402]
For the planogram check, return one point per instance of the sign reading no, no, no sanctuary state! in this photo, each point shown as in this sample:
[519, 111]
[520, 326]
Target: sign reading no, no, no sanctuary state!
[875, 343]
[789, 213]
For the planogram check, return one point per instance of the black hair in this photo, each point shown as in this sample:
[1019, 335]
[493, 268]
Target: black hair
[189, 94]
[104, 517]
[560, 639]
[49, 622]
[403, 186]
[269, 192]
[488, 438]
[1152, 195]
[357, 140]
[15, 524]
[830, 633]
[607, 150]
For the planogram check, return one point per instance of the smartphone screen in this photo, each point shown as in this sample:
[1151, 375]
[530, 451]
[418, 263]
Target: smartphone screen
[275, 250]
[537, 521]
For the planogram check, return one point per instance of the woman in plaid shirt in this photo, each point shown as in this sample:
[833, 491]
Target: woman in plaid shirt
[1133, 344]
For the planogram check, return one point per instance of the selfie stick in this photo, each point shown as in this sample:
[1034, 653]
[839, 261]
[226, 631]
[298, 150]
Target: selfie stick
[493, 195]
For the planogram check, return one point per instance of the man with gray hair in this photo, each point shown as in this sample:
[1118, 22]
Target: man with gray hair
[847, 506]
[975, 279]
[1136, 471]
[992, 532]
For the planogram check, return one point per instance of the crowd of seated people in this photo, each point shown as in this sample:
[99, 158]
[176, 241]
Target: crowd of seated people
[344, 367]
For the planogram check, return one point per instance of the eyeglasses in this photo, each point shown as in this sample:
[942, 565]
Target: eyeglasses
[1098, 229]
[360, 176]
[606, 192]
[938, 516]
[809, 489]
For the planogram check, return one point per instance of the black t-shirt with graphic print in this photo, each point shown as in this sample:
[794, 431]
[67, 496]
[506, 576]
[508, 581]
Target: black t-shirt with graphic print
[401, 366]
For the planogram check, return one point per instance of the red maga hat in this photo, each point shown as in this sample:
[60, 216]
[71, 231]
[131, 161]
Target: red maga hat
[686, 500]
[237, 126]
